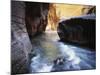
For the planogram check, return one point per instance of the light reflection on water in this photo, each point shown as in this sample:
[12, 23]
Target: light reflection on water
[47, 49]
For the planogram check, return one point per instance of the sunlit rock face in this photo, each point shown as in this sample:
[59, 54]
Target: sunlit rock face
[73, 23]
[71, 10]
[36, 17]
[78, 31]
[20, 43]
[58, 12]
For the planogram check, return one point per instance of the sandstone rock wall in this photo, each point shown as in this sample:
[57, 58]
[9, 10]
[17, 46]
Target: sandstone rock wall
[20, 42]
[36, 17]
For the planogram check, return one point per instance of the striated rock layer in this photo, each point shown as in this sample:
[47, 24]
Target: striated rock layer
[27, 20]
[20, 42]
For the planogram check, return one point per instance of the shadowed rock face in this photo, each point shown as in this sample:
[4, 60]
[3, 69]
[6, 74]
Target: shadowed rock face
[27, 19]
[36, 17]
[78, 31]
[20, 42]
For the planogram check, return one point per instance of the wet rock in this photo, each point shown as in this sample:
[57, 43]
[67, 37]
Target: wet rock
[59, 64]
[78, 31]
[59, 61]
[20, 42]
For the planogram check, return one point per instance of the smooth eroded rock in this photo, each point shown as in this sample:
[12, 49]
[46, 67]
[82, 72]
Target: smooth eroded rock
[20, 42]
[78, 31]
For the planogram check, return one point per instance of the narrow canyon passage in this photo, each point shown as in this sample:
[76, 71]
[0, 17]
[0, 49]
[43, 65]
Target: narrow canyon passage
[51, 55]
[44, 37]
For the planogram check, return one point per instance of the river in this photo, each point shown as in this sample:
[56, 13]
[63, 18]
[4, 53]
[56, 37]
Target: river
[51, 55]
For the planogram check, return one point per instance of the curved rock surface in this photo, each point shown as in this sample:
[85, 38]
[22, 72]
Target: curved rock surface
[20, 42]
[27, 19]
[79, 31]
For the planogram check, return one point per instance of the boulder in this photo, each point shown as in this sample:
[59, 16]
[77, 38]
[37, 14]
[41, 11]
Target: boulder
[59, 64]
[78, 31]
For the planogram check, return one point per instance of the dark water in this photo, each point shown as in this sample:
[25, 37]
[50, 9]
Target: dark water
[47, 49]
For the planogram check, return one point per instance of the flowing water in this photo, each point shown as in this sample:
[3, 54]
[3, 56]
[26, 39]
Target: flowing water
[47, 49]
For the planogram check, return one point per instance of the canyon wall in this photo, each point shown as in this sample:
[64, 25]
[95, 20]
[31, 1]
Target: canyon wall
[36, 17]
[20, 42]
[28, 19]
